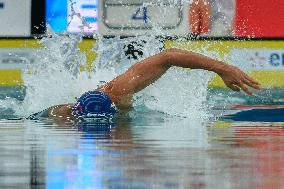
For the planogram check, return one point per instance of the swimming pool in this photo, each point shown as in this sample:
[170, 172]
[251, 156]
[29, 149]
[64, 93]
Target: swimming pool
[149, 149]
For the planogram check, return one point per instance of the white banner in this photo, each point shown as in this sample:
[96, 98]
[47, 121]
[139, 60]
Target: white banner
[88, 11]
[17, 58]
[166, 17]
[136, 17]
[15, 18]
[258, 59]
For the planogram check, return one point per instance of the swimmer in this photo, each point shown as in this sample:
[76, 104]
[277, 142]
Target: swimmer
[117, 94]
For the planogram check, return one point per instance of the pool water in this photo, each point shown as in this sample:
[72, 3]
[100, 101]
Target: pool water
[149, 149]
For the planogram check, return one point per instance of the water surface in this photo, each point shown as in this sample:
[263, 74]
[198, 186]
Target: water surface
[146, 149]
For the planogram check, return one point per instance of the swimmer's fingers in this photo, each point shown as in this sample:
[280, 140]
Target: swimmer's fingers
[233, 87]
[236, 79]
[237, 86]
[245, 89]
[251, 82]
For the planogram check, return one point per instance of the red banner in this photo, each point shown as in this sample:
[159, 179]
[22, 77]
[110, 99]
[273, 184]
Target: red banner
[259, 18]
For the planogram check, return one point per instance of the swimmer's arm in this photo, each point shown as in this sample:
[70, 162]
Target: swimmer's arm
[149, 70]
[233, 77]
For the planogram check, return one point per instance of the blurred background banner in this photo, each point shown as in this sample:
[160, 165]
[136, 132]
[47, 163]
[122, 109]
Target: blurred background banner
[257, 22]
[261, 18]
[208, 18]
[76, 16]
[83, 16]
[141, 17]
[15, 17]
[56, 14]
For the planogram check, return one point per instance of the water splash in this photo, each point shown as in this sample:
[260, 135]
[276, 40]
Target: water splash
[56, 78]
[179, 92]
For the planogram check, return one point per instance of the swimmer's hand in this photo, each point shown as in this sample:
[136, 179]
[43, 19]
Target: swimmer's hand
[236, 79]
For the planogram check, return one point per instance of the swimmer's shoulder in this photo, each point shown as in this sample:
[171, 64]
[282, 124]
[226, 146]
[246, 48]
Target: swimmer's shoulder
[121, 101]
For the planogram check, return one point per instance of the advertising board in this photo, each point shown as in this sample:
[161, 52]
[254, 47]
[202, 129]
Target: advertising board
[82, 16]
[258, 58]
[213, 18]
[140, 17]
[76, 16]
[15, 18]
[17, 58]
[261, 59]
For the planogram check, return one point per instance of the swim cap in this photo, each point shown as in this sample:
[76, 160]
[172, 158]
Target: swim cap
[94, 105]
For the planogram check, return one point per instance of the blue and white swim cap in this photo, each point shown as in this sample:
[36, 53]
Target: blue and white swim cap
[94, 105]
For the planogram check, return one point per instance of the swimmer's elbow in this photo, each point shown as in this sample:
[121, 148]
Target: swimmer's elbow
[172, 50]
[169, 55]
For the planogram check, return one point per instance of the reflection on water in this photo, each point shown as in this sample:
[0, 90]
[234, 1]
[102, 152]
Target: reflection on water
[151, 150]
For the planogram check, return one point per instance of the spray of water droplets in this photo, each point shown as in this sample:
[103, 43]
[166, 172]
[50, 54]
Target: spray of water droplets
[56, 78]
